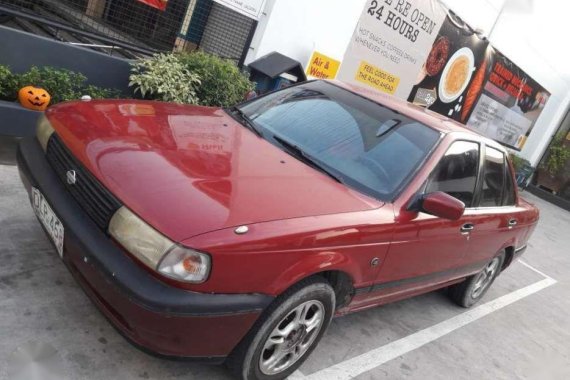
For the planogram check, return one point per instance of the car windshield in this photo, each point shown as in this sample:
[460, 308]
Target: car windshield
[363, 144]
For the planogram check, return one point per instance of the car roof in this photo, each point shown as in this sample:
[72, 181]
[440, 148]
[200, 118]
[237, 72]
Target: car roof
[438, 122]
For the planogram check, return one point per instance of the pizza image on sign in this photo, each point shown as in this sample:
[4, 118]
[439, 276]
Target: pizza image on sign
[455, 62]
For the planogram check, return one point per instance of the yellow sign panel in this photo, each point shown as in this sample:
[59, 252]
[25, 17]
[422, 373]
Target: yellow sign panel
[322, 67]
[376, 77]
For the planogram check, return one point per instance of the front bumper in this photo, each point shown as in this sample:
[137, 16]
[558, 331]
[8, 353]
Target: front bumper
[153, 315]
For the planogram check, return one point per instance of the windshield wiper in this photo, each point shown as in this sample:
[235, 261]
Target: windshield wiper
[305, 157]
[246, 120]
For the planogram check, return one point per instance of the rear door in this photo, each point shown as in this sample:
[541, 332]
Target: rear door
[497, 219]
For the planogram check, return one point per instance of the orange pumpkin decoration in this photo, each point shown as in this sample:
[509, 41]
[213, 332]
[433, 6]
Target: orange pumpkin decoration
[34, 98]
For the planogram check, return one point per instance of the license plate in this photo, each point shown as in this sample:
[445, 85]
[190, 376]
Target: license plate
[48, 218]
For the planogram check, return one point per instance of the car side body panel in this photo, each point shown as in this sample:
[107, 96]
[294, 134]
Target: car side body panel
[428, 253]
[272, 256]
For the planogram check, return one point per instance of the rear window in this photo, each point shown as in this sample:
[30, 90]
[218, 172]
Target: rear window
[493, 178]
[368, 146]
[510, 197]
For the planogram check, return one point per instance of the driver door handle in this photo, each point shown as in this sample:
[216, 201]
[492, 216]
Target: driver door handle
[467, 228]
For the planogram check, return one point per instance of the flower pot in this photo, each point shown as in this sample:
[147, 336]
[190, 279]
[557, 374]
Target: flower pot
[548, 181]
[16, 120]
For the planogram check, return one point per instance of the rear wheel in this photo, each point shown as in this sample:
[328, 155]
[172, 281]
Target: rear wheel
[470, 291]
[286, 334]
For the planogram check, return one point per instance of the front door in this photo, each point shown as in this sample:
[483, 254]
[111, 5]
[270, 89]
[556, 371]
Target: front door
[428, 251]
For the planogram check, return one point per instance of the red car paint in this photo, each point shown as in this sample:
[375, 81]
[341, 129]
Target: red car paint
[195, 174]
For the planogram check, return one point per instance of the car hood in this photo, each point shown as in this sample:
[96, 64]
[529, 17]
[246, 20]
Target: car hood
[189, 170]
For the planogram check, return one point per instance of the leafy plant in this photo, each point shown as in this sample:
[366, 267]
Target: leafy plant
[519, 163]
[164, 77]
[223, 84]
[62, 84]
[8, 85]
[101, 92]
[558, 155]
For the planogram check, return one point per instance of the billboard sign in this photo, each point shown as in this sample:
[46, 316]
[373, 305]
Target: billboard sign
[390, 44]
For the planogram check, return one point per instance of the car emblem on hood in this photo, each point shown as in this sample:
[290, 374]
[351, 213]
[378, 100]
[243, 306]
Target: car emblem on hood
[71, 177]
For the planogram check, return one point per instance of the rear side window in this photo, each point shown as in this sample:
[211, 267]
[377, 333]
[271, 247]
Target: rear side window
[510, 198]
[456, 173]
[493, 178]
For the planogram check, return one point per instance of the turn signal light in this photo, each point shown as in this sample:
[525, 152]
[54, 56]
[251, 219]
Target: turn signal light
[185, 264]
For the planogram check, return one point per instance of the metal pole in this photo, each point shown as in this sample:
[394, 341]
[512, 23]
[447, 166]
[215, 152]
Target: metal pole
[497, 19]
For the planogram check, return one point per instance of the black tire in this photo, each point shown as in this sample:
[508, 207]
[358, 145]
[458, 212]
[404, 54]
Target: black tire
[467, 293]
[245, 360]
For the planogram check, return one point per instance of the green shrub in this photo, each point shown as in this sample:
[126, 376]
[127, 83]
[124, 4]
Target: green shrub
[223, 84]
[163, 77]
[518, 162]
[100, 92]
[8, 84]
[558, 154]
[5, 75]
[62, 84]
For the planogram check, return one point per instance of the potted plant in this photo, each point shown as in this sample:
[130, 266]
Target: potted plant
[552, 172]
[24, 96]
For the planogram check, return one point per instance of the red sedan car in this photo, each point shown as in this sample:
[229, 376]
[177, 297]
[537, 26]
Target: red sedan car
[237, 234]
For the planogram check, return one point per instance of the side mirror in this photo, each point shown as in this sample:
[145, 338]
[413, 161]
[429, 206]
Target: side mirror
[442, 205]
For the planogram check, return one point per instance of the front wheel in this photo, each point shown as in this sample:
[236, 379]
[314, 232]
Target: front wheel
[286, 333]
[470, 291]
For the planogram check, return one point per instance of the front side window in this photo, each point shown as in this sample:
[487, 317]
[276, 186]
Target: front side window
[365, 145]
[493, 178]
[456, 173]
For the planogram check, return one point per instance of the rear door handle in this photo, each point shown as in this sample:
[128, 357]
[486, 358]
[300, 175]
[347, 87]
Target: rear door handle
[467, 228]
[512, 222]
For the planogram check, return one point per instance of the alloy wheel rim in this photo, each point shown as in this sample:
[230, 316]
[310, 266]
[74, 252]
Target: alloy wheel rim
[485, 277]
[292, 337]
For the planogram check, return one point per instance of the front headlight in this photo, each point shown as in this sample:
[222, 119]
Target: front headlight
[156, 250]
[44, 130]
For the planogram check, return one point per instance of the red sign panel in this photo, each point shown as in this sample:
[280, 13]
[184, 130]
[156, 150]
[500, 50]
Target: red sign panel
[159, 4]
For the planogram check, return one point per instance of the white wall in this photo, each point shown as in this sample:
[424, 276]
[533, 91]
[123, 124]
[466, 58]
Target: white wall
[298, 27]
[531, 33]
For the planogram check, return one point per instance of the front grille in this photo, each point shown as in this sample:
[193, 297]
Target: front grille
[95, 199]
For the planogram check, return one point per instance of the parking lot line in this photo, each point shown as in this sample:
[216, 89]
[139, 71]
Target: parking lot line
[534, 269]
[351, 368]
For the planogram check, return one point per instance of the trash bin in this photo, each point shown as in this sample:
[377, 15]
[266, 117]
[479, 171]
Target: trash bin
[274, 71]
